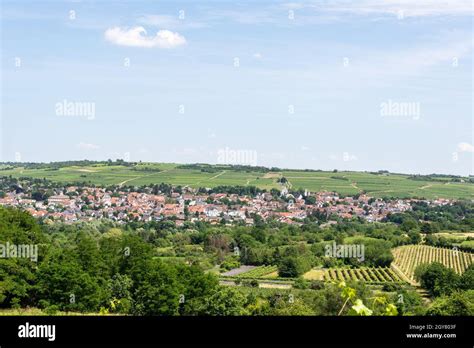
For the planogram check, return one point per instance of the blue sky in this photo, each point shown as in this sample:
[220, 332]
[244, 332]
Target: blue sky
[308, 91]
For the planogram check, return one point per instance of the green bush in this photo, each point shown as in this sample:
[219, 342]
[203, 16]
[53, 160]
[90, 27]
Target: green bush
[293, 266]
[437, 279]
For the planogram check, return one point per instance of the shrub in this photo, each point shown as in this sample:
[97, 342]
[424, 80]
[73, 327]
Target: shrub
[293, 266]
[437, 279]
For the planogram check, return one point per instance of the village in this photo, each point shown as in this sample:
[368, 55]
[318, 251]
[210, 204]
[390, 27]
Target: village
[71, 203]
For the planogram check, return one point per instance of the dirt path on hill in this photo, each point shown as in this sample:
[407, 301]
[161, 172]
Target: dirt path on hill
[272, 175]
[215, 176]
[354, 185]
[143, 176]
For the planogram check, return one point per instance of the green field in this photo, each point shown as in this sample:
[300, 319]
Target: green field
[345, 183]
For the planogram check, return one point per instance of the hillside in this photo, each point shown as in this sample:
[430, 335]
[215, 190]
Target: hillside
[345, 183]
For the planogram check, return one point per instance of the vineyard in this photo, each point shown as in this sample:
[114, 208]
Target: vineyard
[365, 274]
[408, 257]
[259, 272]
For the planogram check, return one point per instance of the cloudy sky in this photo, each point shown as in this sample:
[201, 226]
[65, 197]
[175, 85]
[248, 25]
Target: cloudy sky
[360, 85]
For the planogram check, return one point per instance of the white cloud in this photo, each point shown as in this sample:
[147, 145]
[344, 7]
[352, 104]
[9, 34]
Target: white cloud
[86, 146]
[465, 147]
[137, 37]
[257, 55]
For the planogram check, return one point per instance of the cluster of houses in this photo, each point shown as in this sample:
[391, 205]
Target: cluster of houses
[70, 204]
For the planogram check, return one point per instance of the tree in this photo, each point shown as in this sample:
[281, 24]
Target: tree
[224, 301]
[292, 306]
[157, 291]
[293, 266]
[61, 282]
[198, 286]
[17, 274]
[376, 252]
[88, 254]
[120, 287]
[414, 236]
[467, 278]
[408, 302]
[458, 303]
[437, 279]
[38, 196]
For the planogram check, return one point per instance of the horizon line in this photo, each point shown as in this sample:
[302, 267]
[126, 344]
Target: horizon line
[379, 171]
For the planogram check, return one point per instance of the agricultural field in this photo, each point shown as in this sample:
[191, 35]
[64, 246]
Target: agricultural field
[455, 236]
[345, 183]
[408, 257]
[365, 274]
[259, 272]
[396, 185]
[314, 274]
[467, 244]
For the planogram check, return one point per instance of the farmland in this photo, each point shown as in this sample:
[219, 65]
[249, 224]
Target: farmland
[408, 257]
[256, 273]
[373, 275]
[365, 274]
[344, 183]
